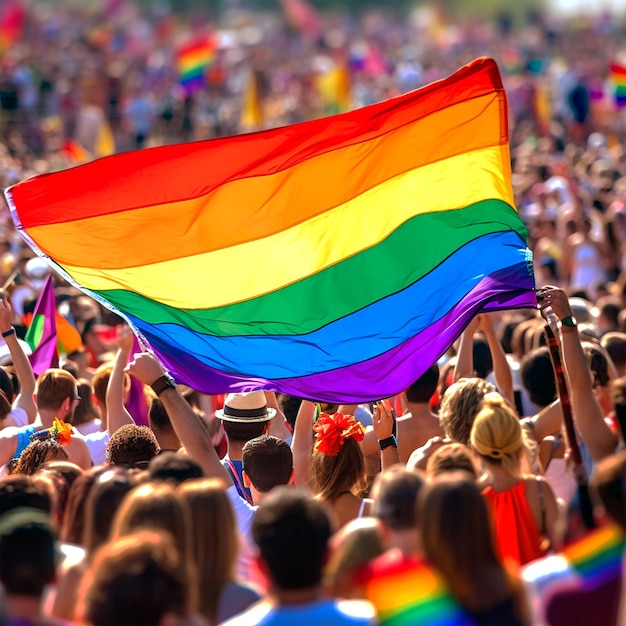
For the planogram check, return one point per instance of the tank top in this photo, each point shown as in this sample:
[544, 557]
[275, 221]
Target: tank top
[517, 535]
[23, 439]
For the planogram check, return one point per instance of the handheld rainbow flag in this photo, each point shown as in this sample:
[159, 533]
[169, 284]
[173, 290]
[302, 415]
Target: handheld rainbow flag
[193, 61]
[41, 335]
[335, 259]
[409, 593]
[597, 557]
[618, 78]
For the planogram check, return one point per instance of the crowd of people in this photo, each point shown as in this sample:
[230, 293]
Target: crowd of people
[491, 491]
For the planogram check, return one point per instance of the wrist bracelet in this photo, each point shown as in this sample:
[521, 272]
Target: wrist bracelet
[11, 331]
[569, 321]
[387, 442]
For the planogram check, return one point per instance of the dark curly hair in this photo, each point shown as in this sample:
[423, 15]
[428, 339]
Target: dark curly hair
[37, 454]
[132, 445]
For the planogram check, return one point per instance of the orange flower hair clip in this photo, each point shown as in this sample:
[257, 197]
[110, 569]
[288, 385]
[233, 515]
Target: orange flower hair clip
[333, 430]
[61, 432]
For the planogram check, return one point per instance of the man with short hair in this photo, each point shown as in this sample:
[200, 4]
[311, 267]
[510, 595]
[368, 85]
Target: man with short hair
[292, 530]
[267, 462]
[56, 397]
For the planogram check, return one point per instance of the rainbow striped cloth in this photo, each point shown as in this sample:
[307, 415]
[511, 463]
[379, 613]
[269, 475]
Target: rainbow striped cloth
[618, 78]
[409, 592]
[192, 62]
[597, 557]
[335, 259]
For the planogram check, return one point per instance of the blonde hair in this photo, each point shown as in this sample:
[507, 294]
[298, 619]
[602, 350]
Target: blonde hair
[459, 406]
[497, 434]
[214, 540]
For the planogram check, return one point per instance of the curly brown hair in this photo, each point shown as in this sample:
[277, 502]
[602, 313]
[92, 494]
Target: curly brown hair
[37, 454]
[132, 445]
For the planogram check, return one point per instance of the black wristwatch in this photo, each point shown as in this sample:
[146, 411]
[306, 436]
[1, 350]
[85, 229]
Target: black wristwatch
[162, 383]
[388, 442]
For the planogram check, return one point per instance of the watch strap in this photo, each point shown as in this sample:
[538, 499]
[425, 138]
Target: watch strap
[569, 321]
[387, 443]
[162, 383]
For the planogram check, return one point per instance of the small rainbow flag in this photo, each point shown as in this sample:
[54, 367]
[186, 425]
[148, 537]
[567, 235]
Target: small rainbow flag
[41, 335]
[409, 593]
[335, 259]
[618, 78]
[192, 62]
[597, 557]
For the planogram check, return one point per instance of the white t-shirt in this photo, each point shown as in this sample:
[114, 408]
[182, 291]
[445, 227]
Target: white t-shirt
[244, 513]
[97, 444]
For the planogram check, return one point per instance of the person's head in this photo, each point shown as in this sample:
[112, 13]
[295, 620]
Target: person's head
[608, 484]
[137, 580]
[289, 405]
[481, 357]
[452, 457]
[72, 530]
[214, 539]
[57, 392]
[457, 536]
[21, 491]
[5, 407]
[615, 344]
[86, 411]
[103, 500]
[6, 384]
[460, 405]
[600, 374]
[61, 475]
[245, 416]
[609, 308]
[99, 383]
[497, 434]
[337, 463]
[422, 390]
[155, 506]
[39, 452]
[395, 493]
[132, 445]
[27, 552]
[161, 425]
[267, 462]
[174, 468]
[538, 376]
[291, 530]
[351, 548]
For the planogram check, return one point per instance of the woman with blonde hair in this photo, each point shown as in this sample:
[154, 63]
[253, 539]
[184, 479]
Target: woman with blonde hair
[215, 545]
[457, 538]
[523, 506]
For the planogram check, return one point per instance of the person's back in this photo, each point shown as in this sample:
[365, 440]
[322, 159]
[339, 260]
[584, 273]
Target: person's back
[292, 531]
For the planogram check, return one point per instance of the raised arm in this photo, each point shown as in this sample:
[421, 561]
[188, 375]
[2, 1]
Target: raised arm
[117, 414]
[278, 426]
[302, 443]
[26, 398]
[382, 425]
[189, 427]
[501, 368]
[587, 413]
[464, 367]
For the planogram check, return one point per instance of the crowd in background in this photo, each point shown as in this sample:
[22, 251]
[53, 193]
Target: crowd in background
[127, 500]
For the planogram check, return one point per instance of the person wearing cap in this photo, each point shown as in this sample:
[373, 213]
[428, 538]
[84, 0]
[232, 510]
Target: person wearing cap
[245, 416]
[27, 563]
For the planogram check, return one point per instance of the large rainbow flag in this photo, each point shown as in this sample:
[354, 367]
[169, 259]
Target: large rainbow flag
[335, 259]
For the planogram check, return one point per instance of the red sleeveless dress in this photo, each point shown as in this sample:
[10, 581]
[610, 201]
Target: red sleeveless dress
[517, 535]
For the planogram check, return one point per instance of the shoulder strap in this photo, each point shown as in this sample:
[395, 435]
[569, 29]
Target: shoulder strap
[542, 505]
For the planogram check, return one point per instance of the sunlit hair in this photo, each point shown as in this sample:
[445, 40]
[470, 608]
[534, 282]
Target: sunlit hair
[37, 454]
[452, 457]
[136, 579]
[214, 540]
[457, 538]
[103, 501]
[357, 543]
[459, 406]
[86, 411]
[497, 434]
[53, 387]
[330, 476]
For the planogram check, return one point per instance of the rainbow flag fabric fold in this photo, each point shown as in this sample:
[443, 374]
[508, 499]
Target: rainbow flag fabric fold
[335, 259]
[41, 335]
